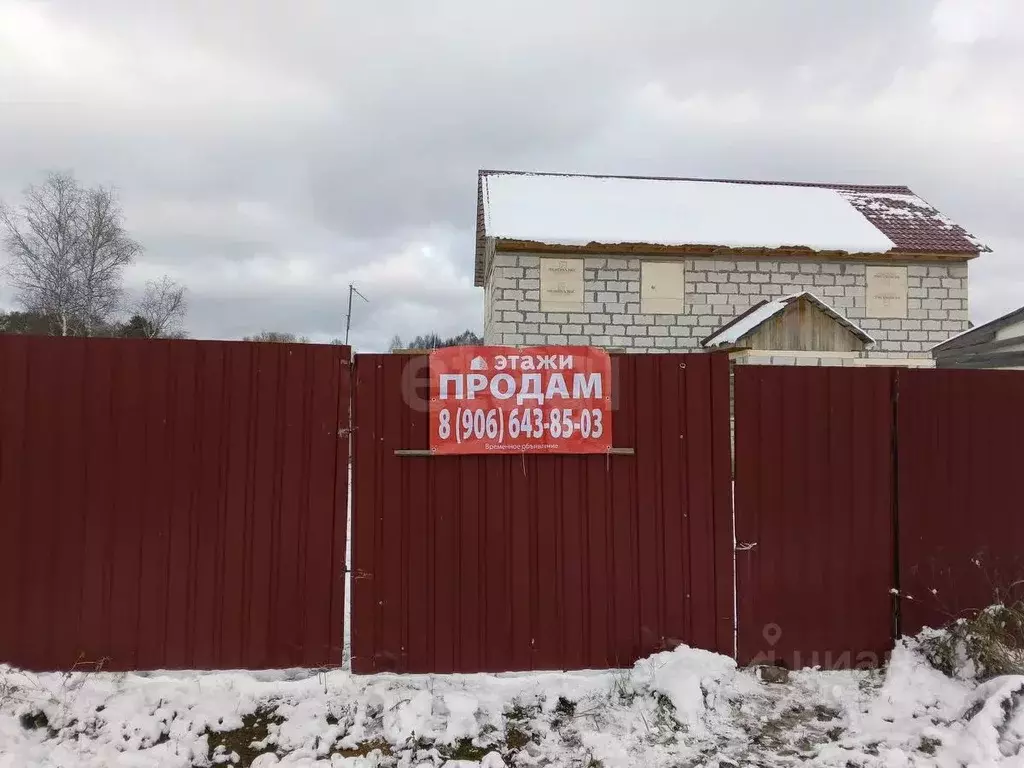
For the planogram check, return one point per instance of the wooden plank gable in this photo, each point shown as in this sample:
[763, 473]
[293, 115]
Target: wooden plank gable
[802, 326]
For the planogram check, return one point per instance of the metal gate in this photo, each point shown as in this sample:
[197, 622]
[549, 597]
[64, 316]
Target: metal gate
[495, 563]
[814, 515]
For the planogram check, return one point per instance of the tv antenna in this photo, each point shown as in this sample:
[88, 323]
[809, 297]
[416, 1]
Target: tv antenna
[348, 317]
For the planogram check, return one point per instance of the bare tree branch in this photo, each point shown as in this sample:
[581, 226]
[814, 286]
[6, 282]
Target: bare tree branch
[161, 308]
[280, 337]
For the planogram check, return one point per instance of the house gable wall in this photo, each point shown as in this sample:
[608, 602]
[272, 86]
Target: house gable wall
[715, 291]
[803, 327]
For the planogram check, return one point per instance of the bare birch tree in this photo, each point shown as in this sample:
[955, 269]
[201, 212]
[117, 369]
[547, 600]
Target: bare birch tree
[42, 239]
[104, 250]
[161, 308]
[67, 249]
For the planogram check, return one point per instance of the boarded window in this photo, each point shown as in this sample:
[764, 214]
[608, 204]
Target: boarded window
[887, 292]
[561, 285]
[661, 287]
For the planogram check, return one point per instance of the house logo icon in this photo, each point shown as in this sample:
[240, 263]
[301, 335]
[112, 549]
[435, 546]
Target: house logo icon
[478, 364]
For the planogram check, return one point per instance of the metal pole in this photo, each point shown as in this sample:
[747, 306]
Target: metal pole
[348, 318]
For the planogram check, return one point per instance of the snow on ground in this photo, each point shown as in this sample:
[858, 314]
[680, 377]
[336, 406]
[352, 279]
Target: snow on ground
[680, 708]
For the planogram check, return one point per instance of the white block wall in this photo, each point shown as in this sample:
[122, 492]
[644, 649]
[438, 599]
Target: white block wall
[827, 359]
[716, 291]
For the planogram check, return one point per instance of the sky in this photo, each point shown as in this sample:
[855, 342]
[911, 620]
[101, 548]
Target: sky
[269, 153]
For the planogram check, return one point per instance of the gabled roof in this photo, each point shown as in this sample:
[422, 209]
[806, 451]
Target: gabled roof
[577, 211]
[743, 325]
[980, 334]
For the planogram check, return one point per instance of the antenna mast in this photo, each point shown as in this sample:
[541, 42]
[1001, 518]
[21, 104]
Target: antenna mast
[348, 317]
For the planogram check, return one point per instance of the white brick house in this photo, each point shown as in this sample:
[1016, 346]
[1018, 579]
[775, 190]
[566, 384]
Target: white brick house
[647, 264]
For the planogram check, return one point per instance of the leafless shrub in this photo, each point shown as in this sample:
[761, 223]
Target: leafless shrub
[988, 644]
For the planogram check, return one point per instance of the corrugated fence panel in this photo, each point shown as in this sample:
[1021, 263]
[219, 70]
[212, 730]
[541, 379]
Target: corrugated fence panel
[961, 524]
[172, 504]
[495, 563]
[814, 515]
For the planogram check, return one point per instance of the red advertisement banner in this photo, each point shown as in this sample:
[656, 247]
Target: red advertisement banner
[504, 399]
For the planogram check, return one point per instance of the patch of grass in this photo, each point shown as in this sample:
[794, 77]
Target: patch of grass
[928, 745]
[516, 737]
[565, 710]
[804, 744]
[666, 714]
[796, 731]
[825, 714]
[35, 720]
[255, 729]
[623, 691]
[663, 728]
[464, 749]
[571, 738]
[367, 748]
[518, 730]
[565, 707]
[520, 711]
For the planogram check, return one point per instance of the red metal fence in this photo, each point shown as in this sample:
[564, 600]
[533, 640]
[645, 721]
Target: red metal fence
[495, 563]
[178, 504]
[961, 521]
[814, 515]
[171, 504]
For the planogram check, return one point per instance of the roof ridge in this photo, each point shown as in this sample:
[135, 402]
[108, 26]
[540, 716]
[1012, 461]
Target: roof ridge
[891, 188]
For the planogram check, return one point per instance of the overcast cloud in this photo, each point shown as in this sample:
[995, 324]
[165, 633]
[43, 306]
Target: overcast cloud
[268, 153]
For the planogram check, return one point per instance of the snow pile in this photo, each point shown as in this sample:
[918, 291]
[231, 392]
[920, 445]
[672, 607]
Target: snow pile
[685, 707]
[578, 210]
[687, 680]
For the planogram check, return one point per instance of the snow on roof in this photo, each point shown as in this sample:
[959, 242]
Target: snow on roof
[910, 222]
[578, 210]
[565, 210]
[730, 333]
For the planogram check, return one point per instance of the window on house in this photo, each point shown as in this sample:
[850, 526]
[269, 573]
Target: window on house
[662, 285]
[561, 285]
